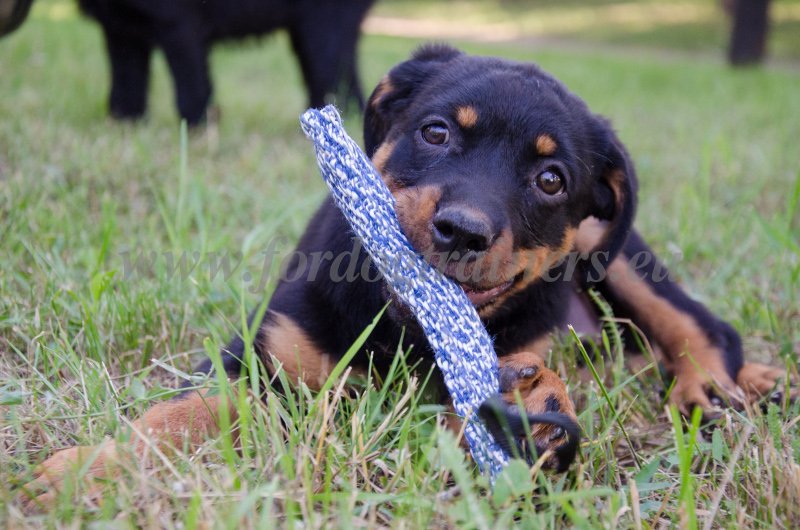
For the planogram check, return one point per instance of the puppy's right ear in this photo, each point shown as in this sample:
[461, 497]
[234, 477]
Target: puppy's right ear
[398, 88]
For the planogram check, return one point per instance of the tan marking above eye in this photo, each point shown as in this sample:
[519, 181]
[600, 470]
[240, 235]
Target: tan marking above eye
[545, 145]
[466, 116]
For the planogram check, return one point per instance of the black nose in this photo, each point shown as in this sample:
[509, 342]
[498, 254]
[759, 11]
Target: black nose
[457, 229]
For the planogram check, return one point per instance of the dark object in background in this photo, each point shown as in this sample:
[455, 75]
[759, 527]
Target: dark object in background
[324, 34]
[749, 33]
[12, 14]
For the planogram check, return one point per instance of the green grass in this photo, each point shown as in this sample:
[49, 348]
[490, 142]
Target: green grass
[85, 348]
[661, 25]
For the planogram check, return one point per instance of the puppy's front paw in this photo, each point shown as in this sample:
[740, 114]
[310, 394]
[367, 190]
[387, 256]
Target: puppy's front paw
[709, 386]
[551, 432]
[759, 381]
[549, 422]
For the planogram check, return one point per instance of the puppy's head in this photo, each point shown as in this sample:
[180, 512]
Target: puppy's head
[494, 164]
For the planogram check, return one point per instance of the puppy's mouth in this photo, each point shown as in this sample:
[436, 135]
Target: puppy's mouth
[481, 297]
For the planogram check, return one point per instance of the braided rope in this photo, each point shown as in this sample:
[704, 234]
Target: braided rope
[462, 347]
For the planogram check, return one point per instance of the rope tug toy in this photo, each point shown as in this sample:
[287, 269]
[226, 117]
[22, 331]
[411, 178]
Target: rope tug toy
[462, 347]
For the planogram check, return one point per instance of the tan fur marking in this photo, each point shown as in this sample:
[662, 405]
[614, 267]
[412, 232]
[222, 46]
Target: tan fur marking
[549, 385]
[545, 145]
[758, 380]
[455, 424]
[415, 208]
[688, 354]
[384, 87]
[591, 233]
[533, 263]
[467, 116]
[615, 180]
[379, 159]
[675, 331]
[196, 414]
[300, 358]
[184, 422]
[535, 391]
[382, 154]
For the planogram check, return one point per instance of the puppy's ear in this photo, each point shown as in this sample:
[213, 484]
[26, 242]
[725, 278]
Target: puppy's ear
[613, 195]
[396, 91]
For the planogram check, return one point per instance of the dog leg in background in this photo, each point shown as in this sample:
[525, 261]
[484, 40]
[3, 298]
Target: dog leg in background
[325, 41]
[129, 60]
[187, 56]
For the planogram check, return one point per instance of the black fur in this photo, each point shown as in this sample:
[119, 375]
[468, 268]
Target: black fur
[324, 34]
[12, 14]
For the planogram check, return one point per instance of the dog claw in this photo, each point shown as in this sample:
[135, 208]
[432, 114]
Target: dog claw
[558, 433]
[510, 378]
[513, 434]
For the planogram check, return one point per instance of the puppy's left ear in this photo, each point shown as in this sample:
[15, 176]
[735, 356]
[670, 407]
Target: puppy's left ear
[614, 190]
[398, 89]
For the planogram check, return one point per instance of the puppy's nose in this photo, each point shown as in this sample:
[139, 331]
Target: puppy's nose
[461, 230]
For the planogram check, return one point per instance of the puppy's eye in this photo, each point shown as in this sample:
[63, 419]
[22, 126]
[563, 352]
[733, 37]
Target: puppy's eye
[436, 134]
[550, 182]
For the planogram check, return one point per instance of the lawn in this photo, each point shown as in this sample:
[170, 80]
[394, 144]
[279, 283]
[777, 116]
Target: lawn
[87, 342]
[696, 26]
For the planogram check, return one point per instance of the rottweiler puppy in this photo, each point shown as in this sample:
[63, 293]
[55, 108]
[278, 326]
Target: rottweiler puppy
[510, 185]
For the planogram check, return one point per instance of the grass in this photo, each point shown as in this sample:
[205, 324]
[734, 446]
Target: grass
[87, 343]
[696, 26]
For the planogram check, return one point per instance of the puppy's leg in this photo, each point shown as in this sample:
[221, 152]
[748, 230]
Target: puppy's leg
[284, 341]
[191, 418]
[184, 421]
[702, 352]
[129, 59]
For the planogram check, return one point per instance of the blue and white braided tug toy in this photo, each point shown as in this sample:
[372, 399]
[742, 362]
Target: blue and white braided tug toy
[462, 347]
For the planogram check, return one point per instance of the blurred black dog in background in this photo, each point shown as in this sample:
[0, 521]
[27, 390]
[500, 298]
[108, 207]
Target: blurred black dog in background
[324, 34]
[13, 14]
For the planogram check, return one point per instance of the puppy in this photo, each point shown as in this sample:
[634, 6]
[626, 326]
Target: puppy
[512, 187]
[324, 34]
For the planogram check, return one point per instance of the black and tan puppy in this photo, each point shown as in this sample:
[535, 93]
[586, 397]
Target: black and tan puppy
[516, 190]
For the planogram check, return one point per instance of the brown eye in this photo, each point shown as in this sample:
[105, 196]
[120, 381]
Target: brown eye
[436, 134]
[550, 182]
